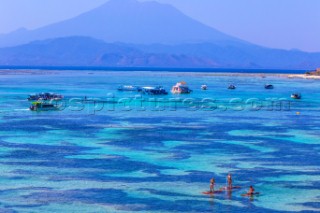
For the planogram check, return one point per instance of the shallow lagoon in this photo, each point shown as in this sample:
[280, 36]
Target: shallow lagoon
[157, 160]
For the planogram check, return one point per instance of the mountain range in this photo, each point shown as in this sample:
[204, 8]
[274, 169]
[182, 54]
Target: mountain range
[128, 33]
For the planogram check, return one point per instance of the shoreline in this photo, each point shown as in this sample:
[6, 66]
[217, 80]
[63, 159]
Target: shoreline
[304, 76]
[5, 72]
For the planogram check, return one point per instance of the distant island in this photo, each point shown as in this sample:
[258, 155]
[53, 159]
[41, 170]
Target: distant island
[129, 33]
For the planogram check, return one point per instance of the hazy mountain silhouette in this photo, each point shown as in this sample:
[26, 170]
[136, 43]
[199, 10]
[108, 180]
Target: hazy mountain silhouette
[127, 21]
[86, 51]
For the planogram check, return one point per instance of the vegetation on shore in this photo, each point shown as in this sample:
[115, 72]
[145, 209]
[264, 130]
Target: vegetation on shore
[315, 72]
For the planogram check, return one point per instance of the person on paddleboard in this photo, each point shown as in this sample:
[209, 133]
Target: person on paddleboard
[251, 191]
[212, 182]
[229, 181]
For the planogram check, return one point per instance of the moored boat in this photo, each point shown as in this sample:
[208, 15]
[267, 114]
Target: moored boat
[181, 88]
[268, 86]
[129, 88]
[296, 96]
[204, 87]
[42, 106]
[231, 86]
[159, 90]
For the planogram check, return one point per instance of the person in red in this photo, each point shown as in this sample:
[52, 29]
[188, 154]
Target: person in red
[251, 191]
[212, 182]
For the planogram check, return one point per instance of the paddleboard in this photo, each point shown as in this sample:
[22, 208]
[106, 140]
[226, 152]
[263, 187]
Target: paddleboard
[249, 195]
[211, 193]
[228, 189]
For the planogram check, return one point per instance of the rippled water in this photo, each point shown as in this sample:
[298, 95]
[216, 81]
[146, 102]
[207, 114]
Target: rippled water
[119, 159]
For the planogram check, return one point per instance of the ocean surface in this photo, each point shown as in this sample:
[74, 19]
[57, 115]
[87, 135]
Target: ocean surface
[127, 152]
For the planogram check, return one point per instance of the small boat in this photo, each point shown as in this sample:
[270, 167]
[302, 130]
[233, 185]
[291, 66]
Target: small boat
[181, 88]
[154, 90]
[296, 96]
[268, 86]
[45, 96]
[204, 87]
[129, 88]
[41, 106]
[231, 86]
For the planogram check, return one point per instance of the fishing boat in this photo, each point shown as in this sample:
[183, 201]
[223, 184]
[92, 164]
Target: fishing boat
[159, 90]
[181, 88]
[268, 86]
[204, 87]
[129, 88]
[45, 96]
[231, 86]
[296, 96]
[42, 106]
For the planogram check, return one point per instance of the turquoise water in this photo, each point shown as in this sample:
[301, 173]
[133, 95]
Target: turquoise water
[125, 157]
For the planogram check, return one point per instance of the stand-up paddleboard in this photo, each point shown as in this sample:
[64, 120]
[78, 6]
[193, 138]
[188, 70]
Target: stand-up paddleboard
[221, 190]
[212, 193]
[250, 195]
[230, 189]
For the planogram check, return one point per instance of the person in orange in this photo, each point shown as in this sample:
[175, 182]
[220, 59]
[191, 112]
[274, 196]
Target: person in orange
[251, 191]
[229, 180]
[212, 183]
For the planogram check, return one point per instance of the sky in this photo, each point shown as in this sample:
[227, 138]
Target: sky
[286, 24]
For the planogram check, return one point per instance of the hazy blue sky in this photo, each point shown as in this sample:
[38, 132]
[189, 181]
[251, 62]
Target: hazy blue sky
[274, 23]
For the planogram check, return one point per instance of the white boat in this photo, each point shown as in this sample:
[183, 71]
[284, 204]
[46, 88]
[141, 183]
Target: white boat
[204, 87]
[129, 88]
[181, 88]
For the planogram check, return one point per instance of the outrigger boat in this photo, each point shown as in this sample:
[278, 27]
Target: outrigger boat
[154, 90]
[181, 88]
[42, 106]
